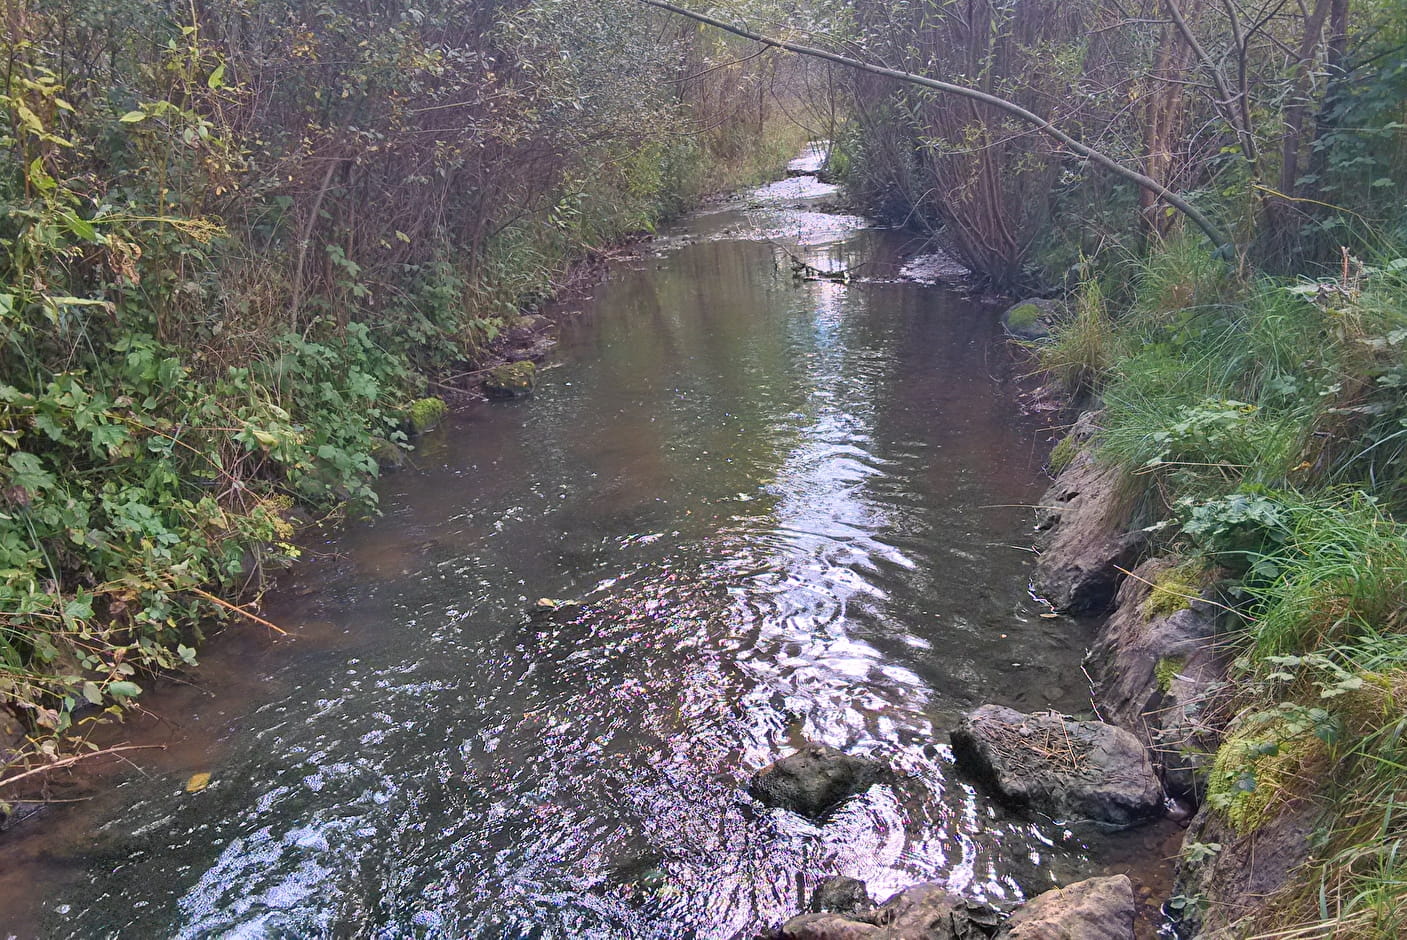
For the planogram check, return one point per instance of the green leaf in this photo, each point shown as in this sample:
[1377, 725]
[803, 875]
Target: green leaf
[29, 472]
[39, 177]
[76, 302]
[109, 437]
[124, 689]
[80, 608]
[92, 693]
[27, 117]
[81, 227]
[132, 117]
[217, 77]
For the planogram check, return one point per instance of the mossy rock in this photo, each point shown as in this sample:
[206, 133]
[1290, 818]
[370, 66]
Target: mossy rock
[1166, 670]
[1023, 316]
[1176, 588]
[388, 456]
[1064, 453]
[1029, 320]
[424, 413]
[511, 380]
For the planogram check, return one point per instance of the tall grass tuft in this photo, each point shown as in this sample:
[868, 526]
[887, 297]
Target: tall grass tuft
[1085, 346]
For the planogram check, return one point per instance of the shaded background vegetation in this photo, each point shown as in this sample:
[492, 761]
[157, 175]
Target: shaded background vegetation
[1283, 120]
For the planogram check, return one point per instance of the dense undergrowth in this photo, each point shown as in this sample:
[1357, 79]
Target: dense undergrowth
[1265, 421]
[236, 238]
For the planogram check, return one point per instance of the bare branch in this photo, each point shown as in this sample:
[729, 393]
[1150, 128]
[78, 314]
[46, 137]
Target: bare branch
[1217, 237]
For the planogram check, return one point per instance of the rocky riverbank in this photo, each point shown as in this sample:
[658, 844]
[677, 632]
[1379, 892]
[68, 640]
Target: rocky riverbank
[1158, 668]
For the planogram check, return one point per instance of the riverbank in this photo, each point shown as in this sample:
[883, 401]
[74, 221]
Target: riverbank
[1228, 501]
[349, 409]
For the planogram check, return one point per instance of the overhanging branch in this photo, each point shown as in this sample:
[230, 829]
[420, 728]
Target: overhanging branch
[1142, 180]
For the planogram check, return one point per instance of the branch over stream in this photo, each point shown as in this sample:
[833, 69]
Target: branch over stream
[1218, 238]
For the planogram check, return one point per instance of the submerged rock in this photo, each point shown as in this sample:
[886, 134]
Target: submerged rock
[1097, 909]
[1059, 766]
[841, 895]
[927, 911]
[388, 456]
[814, 780]
[511, 380]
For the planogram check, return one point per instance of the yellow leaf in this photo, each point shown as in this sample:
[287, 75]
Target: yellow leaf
[197, 782]
[28, 117]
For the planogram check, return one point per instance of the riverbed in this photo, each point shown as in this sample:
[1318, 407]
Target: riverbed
[783, 509]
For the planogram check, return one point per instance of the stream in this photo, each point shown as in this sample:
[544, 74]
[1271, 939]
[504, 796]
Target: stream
[791, 510]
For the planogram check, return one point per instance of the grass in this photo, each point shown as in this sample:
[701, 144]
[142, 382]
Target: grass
[1085, 347]
[1269, 416]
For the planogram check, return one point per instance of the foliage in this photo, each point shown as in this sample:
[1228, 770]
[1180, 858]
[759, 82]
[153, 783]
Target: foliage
[234, 236]
[1268, 416]
[1063, 454]
[1286, 124]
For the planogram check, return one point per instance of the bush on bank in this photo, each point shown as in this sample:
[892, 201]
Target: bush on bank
[234, 238]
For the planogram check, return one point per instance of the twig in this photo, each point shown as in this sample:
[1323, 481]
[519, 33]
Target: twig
[239, 610]
[70, 761]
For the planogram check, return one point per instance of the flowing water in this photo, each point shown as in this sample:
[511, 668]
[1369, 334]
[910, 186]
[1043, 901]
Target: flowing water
[790, 511]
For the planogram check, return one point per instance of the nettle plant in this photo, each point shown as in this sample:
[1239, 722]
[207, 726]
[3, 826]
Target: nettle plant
[139, 474]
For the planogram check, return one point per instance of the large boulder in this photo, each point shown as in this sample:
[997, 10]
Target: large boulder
[926, 911]
[815, 780]
[1086, 546]
[1097, 909]
[511, 380]
[1058, 766]
[1157, 673]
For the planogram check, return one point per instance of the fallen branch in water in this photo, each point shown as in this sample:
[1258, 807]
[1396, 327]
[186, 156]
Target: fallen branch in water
[70, 761]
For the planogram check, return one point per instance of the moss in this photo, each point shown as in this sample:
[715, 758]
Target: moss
[1257, 768]
[387, 455]
[512, 379]
[1064, 453]
[424, 413]
[1175, 589]
[1167, 669]
[1023, 316]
